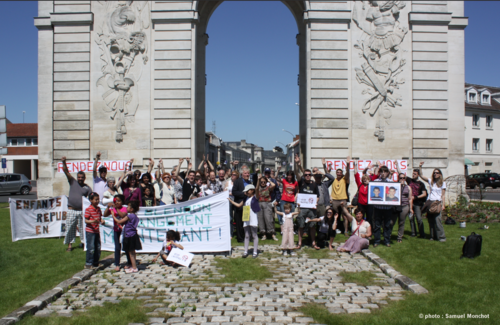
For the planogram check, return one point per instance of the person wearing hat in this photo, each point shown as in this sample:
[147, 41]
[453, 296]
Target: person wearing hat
[100, 182]
[250, 227]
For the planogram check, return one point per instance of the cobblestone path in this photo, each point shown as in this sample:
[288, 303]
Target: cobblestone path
[187, 295]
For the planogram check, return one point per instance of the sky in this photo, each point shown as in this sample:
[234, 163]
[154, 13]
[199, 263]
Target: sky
[252, 65]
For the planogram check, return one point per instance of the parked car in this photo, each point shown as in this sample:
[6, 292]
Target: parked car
[483, 180]
[15, 183]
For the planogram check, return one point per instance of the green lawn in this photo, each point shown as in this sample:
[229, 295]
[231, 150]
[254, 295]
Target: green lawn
[30, 267]
[456, 286]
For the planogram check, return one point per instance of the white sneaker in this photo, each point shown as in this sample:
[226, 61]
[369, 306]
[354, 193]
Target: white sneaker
[275, 238]
[293, 254]
[263, 237]
[285, 253]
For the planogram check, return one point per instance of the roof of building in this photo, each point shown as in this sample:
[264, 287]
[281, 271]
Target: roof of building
[22, 130]
[495, 97]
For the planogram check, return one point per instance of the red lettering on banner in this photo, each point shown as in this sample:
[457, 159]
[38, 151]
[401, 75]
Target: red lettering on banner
[90, 166]
[121, 166]
[403, 164]
[106, 164]
[59, 167]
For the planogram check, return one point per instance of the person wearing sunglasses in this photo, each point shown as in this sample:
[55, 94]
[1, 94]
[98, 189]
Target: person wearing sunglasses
[340, 192]
[307, 186]
[437, 191]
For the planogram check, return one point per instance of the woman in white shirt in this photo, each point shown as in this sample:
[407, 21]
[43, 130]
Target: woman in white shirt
[168, 192]
[250, 226]
[361, 231]
[437, 191]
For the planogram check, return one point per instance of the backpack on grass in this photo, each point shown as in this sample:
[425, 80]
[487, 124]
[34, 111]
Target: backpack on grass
[472, 246]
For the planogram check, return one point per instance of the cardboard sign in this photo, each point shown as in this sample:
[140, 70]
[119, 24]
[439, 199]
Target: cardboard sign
[307, 201]
[180, 256]
[384, 193]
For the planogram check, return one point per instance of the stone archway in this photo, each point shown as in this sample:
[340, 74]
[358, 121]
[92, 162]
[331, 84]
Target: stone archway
[205, 10]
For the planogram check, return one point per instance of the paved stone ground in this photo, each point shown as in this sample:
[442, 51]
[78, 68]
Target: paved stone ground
[186, 295]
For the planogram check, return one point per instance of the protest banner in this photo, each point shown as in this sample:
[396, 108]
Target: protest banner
[88, 166]
[203, 224]
[362, 164]
[38, 218]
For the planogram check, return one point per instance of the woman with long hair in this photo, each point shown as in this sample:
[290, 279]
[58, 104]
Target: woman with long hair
[266, 215]
[405, 208]
[437, 191]
[167, 190]
[131, 189]
[361, 232]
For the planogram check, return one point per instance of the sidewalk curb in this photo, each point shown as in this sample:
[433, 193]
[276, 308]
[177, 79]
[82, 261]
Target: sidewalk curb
[46, 298]
[404, 281]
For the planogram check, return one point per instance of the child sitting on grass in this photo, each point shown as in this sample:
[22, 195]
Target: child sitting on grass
[93, 217]
[288, 241]
[131, 241]
[172, 240]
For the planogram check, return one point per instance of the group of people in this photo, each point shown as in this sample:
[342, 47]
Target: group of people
[255, 202]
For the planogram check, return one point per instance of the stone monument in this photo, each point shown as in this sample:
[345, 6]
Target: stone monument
[378, 80]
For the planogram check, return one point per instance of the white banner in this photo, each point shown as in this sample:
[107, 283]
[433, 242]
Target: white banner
[88, 166]
[203, 224]
[180, 256]
[38, 218]
[362, 164]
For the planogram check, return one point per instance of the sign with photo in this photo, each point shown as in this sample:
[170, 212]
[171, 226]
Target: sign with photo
[384, 193]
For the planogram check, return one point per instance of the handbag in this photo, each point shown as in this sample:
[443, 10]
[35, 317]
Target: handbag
[436, 207]
[355, 198]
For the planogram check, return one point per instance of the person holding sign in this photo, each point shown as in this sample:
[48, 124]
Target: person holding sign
[250, 220]
[77, 190]
[93, 217]
[307, 186]
[339, 191]
[172, 240]
[361, 232]
[382, 213]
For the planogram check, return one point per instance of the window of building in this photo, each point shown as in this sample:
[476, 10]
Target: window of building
[489, 145]
[475, 120]
[28, 142]
[487, 170]
[489, 121]
[476, 164]
[472, 97]
[485, 99]
[475, 145]
[35, 142]
[488, 164]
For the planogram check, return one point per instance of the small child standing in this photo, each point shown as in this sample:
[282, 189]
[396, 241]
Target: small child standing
[93, 217]
[148, 200]
[287, 242]
[131, 241]
[172, 240]
[119, 211]
[250, 226]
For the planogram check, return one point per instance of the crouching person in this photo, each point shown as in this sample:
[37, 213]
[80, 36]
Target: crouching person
[361, 231]
[172, 240]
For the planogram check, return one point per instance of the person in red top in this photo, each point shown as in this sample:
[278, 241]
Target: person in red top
[290, 189]
[362, 182]
[93, 217]
[117, 209]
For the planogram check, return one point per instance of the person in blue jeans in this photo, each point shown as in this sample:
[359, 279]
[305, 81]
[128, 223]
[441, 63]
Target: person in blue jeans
[382, 214]
[93, 218]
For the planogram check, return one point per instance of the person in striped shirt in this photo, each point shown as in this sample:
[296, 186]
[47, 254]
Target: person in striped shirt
[93, 218]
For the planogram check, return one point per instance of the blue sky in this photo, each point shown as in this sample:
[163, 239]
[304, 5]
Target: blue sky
[252, 65]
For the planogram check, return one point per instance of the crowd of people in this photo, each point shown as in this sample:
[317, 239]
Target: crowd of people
[257, 200]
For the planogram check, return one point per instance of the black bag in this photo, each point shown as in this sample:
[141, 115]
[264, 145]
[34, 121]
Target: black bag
[355, 199]
[472, 246]
[450, 221]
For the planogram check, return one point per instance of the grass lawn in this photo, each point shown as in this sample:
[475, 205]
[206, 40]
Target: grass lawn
[238, 270]
[456, 286]
[127, 311]
[30, 267]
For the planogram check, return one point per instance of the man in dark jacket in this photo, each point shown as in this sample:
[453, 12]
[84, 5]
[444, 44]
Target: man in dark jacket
[419, 193]
[239, 196]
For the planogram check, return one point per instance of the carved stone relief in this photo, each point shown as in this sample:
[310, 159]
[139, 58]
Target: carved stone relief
[121, 39]
[380, 48]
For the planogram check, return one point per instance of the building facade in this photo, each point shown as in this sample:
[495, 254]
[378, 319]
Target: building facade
[377, 80]
[482, 128]
[22, 149]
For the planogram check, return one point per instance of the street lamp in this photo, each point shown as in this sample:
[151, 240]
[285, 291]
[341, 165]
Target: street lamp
[293, 136]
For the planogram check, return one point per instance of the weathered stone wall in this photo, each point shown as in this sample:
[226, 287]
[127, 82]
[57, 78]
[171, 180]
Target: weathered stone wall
[377, 81]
